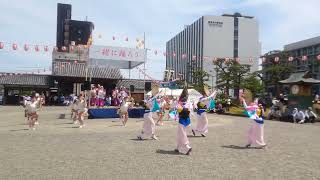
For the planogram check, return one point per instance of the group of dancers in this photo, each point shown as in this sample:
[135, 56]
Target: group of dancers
[180, 110]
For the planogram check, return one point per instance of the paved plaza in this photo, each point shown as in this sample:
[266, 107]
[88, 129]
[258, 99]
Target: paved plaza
[106, 150]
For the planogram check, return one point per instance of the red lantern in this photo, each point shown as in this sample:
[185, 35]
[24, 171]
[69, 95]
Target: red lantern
[36, 48]
[194, 58]
[276, 59]
[290, 58]
[26, 47]
[1, 45]
[46, 48]
[304, 58]
[174, 54]
[214, 60]
[71, 48]
[184, 56]
[14, 46]
[263, 59]
[76, 62]
[63, 48]
[318, 57]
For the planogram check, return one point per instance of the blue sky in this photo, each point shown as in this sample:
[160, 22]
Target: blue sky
[34, 21]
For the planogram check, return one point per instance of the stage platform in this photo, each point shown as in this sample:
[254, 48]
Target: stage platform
[111, 112]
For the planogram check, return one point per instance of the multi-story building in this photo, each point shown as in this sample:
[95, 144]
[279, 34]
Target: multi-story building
[298, 56]
[226, 36]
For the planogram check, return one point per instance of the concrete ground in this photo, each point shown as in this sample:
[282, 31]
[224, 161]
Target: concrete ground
[106, 150]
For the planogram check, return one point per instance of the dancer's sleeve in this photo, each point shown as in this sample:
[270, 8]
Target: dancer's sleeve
[244, 103]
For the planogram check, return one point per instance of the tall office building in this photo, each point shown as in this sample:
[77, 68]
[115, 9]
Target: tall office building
[232, 36]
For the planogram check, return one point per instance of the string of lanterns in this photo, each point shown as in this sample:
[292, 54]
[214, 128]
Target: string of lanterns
[140, 44]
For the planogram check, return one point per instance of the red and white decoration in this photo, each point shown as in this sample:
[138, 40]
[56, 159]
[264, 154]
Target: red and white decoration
[26, 47]
[276, 59]
[36, 48]
[290, 58]
[14, 46]
[1, 45]
[304, 58]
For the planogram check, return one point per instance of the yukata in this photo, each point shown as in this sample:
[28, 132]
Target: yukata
[255, 134]
[183, 145]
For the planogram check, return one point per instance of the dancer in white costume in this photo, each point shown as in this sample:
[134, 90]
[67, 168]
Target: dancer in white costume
[123, 111]
[32, 108]
[81, 110]
[148, 128]
[184, 108]
[202, 120]
[256, 131]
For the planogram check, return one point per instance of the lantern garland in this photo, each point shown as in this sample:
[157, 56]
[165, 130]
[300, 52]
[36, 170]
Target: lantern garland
[140, 43]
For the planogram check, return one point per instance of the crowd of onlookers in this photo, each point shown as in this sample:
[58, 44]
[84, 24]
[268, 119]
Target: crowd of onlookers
[280, 110]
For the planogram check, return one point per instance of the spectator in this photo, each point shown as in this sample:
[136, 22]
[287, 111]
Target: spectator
[310, 115]
[298, 115]
[228, 104]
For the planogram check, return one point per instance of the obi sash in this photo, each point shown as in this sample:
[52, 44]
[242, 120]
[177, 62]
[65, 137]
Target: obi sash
[184, 121]
[200, 111]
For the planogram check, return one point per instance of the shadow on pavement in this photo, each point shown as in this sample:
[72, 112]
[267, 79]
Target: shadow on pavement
[235, 147]
[19, 130]
[64, 123]
[191, 136]
[171, 152]
[116, 125]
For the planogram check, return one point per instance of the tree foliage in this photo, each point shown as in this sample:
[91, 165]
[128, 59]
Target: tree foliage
[230, 74]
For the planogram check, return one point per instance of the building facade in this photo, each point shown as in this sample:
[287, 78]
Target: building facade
[226, 36]
[298, 56]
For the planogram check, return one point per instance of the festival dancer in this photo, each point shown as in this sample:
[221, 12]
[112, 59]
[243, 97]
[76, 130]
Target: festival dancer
[123, 111]
[256, 130]
[162, 103]
[93, 96]
[183, 145]
[202, 120]
[81, 105]
[148, 128]
[39, 106]
[32, 108]
[101, 96]
[74, 111]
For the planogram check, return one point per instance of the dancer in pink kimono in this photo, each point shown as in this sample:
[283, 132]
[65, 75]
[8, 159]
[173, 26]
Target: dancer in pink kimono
[148, 128]
[183, 145]
[101, 96]
[202, 120]
[256, 130]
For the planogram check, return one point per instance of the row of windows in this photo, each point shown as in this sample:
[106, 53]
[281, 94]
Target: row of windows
[189, 42]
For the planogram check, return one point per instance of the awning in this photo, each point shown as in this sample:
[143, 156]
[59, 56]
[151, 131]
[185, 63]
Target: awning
[300, 77]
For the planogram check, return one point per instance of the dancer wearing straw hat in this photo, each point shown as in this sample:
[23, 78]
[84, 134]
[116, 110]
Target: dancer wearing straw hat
[202, 120]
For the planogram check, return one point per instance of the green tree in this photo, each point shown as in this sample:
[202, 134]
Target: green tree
[253, 84]
[199, 76]
[230, 75]
[272, 72]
